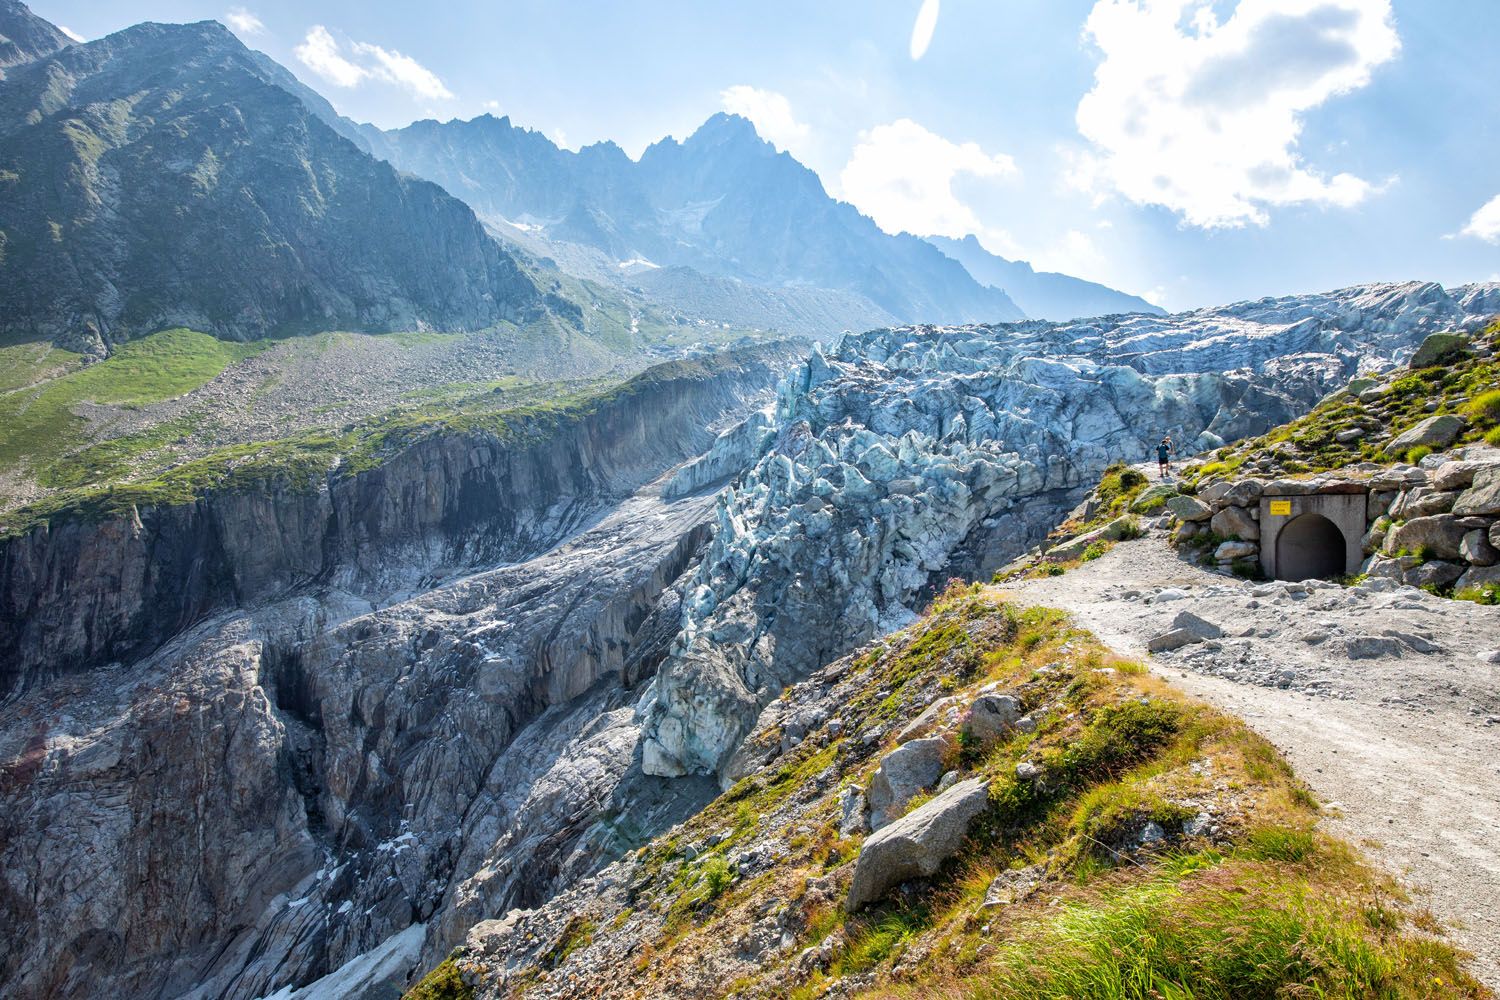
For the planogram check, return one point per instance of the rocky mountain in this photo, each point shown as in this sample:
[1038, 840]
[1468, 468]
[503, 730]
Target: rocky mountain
[24, 37]
[1040, 294]
[723, 202]
[459, 681]
[166, 176]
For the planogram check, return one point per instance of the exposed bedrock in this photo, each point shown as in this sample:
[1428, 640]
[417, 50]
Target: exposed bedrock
[280, 791]
[906, 456]
[80, 592]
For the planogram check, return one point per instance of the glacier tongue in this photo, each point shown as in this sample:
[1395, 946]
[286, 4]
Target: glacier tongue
[907, 455]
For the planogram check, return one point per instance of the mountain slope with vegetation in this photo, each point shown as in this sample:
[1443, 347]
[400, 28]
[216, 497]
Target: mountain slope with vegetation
[1130, 842]
[160, 177]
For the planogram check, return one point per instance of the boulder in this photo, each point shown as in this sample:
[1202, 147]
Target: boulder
[1423, 501]
[1439, 536]
[1391, 568]
[1457, 475]
[1437, 431]
[1483, 497]
[992, 716]
[910, 768]
[1476, 549]
[1111, 532]
[1201, 627]
[1435, 573]
[1349, 435]
[1189, 508]
[1244, 493]
[1235, 522]
[1173, 639]
[1214, 492]
[1399, 477]
[1438, 348]
[929, 719]
[1495, 534]
[1151, 500]
[1478, 576]
[1378, 503]
[1186, 531]
[916, 845]
[851, 812]
[1230, 551]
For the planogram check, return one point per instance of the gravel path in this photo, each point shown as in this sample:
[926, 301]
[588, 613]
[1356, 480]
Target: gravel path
[1402, 746]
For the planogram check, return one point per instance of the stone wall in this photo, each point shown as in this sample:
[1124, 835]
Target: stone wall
[1434, 525]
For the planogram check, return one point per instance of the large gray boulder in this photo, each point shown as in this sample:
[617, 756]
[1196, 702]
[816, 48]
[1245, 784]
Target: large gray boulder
[1423, 501]
[1476, 549]
[916, 846]
[992, 716]
[910, 768]
[1437, 431]
[1440, 536]
[1482, 498]
[1458, 475]
[1189, 509]
[1235, 522]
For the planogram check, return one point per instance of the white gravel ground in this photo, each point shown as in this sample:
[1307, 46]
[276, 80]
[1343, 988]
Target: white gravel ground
[1402, 746]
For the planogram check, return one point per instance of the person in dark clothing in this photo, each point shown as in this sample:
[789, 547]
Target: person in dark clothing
[1164, 457]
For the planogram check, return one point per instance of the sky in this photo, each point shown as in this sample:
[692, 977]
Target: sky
[1193, 151]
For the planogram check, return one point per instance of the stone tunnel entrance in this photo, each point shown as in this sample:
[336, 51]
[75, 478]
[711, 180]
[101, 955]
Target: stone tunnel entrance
[1313, 536]
[1309, 547]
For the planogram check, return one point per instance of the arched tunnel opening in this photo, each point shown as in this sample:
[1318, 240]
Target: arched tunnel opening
[1310, 546]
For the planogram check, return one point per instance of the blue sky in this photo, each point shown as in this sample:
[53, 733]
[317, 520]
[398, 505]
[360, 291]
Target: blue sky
[1196, 151]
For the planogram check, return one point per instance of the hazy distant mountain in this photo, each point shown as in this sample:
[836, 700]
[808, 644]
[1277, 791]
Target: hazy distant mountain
[722, 202]
[24, 37]
[166, 175]
[1041, 294]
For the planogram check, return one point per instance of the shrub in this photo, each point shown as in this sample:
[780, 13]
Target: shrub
[1131, 530]
[1485, 407]
[716, 876]
[1094, 551]
[1492, 437]
[1415, 455]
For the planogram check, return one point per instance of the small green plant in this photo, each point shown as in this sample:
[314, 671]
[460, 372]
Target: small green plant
[1425, 553]
[1415, 455]
[716, 876]
[1094, 551]
[1487, 594]
[1492, 437]
[1131, 530]
[1484, 408]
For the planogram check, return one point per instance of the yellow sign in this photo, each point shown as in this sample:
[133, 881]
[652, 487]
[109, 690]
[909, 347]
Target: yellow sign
[1281, 508]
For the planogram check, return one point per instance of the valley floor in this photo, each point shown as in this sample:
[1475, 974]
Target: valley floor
[1399, 745]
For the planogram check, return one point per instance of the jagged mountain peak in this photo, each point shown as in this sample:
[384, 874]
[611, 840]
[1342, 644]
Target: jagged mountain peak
[25, 37]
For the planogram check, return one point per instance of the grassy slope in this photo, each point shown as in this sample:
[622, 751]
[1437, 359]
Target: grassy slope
[1309, 444]
[37, 411]
[1267, 907]
[500, 410]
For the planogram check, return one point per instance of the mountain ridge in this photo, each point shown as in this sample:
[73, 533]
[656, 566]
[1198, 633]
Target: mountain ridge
[278, 223]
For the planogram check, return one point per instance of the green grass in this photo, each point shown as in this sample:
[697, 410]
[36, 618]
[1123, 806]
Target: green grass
[442, 983]
[39, 422]
[1484, 409]
[1235, 930]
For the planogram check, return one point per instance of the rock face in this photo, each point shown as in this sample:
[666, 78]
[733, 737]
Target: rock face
[24, 37]
[902, 457]
[373, 779]
[916, 845]
[1435, 432]
[277, 223]
[76, 593]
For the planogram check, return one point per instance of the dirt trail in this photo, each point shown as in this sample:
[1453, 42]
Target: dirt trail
[1402, 746]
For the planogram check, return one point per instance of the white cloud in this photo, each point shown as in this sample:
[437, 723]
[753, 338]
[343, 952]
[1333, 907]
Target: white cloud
[319, 52]
[322, 53]
[1485, 224]
[770, 112]
[244, 22]
[1202, 116]
[404, 71]
[71, 33]
[923, 27]
[902, 176]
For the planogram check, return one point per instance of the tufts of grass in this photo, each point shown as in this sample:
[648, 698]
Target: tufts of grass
[1415, 455]
[1485, 593]
[1484, 409]
[442, 983]
[1492, 437]
[1239, 930]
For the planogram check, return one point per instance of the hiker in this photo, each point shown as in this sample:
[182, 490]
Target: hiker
[1164, 457]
